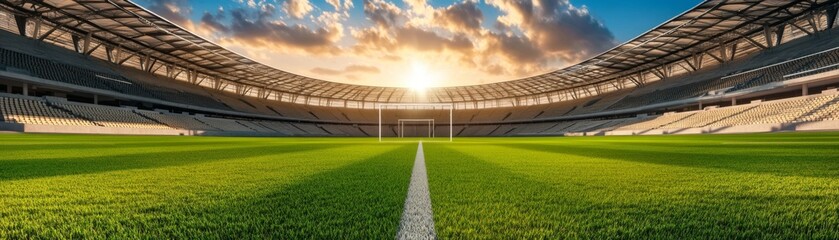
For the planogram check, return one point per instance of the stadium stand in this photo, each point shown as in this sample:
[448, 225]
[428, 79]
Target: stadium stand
[178, 120]
[16, 109]
[758, 78]
[109, 116]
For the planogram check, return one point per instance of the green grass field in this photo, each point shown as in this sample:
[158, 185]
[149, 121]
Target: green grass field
[709, 186]
[65, 186]
[706, 186]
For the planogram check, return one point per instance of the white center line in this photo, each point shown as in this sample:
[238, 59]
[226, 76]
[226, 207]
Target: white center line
[417, 219]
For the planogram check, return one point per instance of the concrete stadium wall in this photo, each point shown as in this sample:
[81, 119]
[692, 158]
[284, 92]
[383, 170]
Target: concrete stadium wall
[238, 134]
[754, 128]
[11, 127]
[36, 128]
[818, 126]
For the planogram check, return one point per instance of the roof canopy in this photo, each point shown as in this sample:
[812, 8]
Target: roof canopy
[715, 31]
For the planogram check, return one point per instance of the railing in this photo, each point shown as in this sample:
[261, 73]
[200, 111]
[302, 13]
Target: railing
[780, 63]
[812, 72]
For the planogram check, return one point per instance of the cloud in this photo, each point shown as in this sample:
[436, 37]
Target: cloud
[362, 68]
[297, 8]
[464, 17]
[383, 14]
[325, 71]
[420, 10]
[527, 37]
[249, 3]
[556, 27]
[354, 68]
[515, 48]
[261, 29]
[176, 11]
[214, 21]
[392, 33]
[494, 69]
[424, 40]
[349, 72]
[179, 12]
[347, 4]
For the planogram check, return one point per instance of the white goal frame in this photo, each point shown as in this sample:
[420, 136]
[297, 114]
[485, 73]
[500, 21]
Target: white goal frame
[428, 121]
[398, 106]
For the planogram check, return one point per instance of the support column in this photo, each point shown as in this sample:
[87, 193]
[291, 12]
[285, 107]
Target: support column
[95, 99]
[700, 105]
[86, 44]
[21, 24]
[733, 101]
[25, 89]
[76, 44]
[380, 123]
[805, 90]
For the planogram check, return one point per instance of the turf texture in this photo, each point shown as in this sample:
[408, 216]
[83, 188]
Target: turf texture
[70, 186]
[775, 186]
[701, 186]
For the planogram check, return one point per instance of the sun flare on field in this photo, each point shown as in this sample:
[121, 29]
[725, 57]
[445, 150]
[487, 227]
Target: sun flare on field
[421, 77]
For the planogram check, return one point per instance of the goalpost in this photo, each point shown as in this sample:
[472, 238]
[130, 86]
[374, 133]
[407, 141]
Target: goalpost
[431, 123]
[409, 121]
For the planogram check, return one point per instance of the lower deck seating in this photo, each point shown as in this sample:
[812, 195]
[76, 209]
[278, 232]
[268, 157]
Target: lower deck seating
[256, 126]
[51, 111]
[311, 129]
[282, 127]
[225, 124]
[178, 121]
[112, 116]
[827, 111]
[27, 111]
[824, 107]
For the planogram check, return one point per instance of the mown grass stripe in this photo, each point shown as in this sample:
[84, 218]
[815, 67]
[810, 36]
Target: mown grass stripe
[417, 218]
[175, 187]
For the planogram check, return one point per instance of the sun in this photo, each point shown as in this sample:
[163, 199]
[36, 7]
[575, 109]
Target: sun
[421, 77]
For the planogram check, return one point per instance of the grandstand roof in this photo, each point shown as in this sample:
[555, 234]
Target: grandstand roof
[715, 25]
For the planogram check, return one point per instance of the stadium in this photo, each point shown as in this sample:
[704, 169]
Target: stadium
[720, 122]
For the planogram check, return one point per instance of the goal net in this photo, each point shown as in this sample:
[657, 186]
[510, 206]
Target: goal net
[415, 121]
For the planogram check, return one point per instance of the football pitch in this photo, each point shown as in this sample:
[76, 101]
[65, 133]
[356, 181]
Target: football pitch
[782, 185]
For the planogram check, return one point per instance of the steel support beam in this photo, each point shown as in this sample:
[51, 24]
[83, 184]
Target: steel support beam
[86, 42]
[21, 24]
[76, 41]
[109, 53]
[779, 34]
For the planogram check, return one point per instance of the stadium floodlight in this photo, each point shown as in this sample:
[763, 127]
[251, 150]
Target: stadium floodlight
[430, 122]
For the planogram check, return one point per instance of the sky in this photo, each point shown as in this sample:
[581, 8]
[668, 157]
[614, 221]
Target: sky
[418, 43]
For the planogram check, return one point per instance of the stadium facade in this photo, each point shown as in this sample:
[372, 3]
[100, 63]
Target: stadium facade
[113, 67]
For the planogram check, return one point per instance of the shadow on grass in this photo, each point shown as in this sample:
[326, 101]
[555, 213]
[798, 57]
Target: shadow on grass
[362, 200]
[771, 159]
[49, 167]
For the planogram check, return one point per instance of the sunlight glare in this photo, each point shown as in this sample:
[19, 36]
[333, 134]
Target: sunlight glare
[421, 77]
